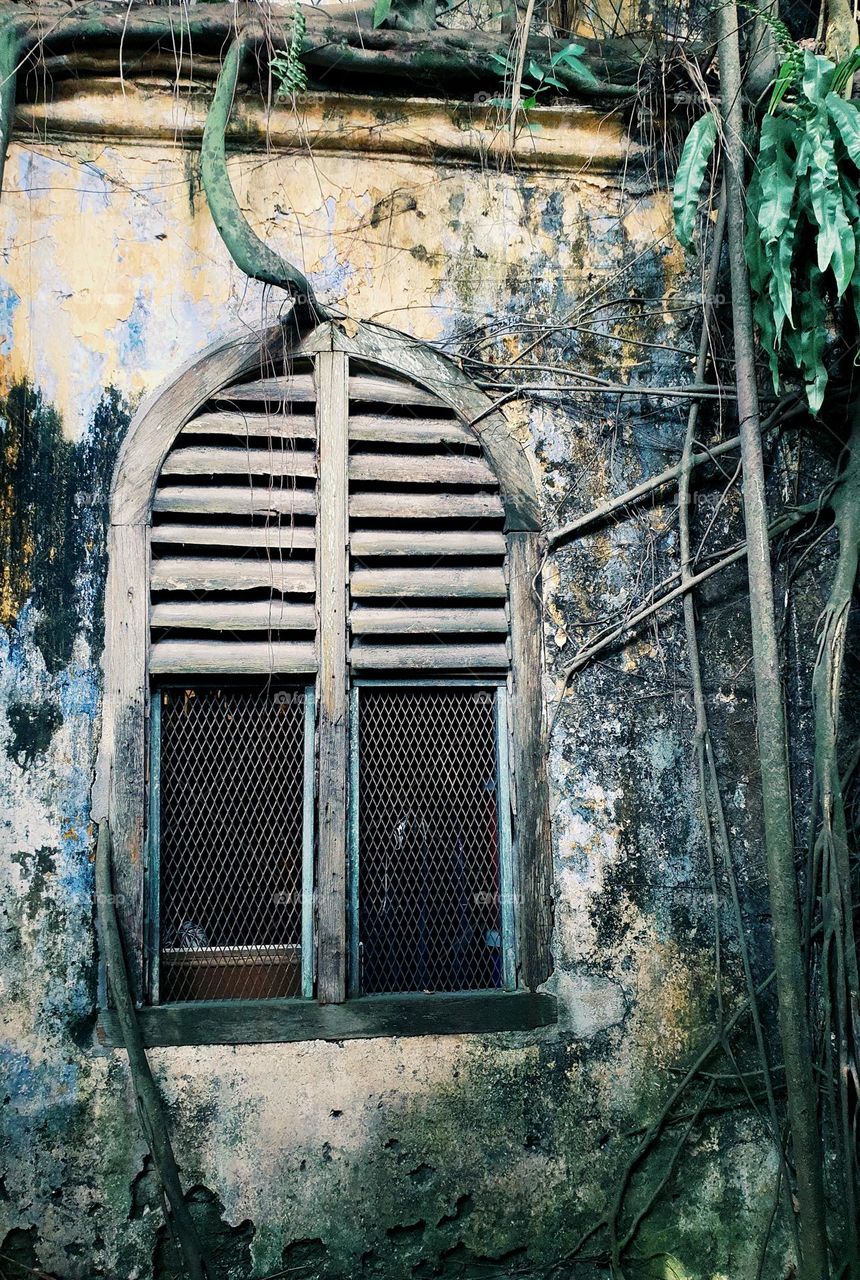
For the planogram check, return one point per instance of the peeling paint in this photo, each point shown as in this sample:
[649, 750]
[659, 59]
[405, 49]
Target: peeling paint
[456, 1156]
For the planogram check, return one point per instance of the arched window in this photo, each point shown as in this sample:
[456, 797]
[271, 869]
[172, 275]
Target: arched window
[322, 755]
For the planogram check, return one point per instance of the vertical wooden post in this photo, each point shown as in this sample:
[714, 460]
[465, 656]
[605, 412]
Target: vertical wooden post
[352, 900]
[152, 914]
[506, 870]
[120, 788]
[332, 433]
[531, 793]
[309, 779]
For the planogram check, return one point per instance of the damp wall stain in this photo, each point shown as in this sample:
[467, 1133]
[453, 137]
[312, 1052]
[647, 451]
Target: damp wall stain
[451, 1156]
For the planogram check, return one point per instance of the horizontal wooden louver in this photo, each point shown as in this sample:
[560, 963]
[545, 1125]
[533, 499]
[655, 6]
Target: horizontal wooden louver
[233, 536]
[427, 579]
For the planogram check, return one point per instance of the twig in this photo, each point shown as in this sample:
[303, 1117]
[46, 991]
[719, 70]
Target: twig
[146, 1096]
[641, 615]
[651, 485]
[522, 50]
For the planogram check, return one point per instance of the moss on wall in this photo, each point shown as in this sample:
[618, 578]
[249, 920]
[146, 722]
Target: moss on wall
[407, 1157]
[53, 515]
[39, 552]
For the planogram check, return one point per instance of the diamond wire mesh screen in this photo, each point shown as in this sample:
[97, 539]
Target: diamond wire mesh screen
[428, 850]
[231, 843]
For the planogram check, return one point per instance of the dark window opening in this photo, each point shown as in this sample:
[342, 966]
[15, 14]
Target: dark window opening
[230, 841]
[429, 912]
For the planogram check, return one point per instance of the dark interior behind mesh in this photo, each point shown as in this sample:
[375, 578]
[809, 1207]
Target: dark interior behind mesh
[428, 841]
[231, 842]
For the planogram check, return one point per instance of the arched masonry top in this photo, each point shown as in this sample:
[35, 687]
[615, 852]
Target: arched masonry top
[166, 410]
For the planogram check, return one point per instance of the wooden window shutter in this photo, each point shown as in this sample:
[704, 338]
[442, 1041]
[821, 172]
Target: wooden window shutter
[427, 578]
[233, 535]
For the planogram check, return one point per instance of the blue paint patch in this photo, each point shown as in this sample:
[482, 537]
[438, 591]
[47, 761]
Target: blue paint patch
[132, 335]
[552, 214]
[78, 691]
[332, 280]
[96, 198]
[9, 303]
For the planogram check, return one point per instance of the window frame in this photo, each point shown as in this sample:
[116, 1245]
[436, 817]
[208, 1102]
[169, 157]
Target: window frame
[507, 892]
[121, 793]
[152, 909]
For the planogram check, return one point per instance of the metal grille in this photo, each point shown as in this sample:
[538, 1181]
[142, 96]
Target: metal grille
[428, 843]
[230, 840]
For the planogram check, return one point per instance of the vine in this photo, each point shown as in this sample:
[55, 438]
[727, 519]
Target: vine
[797, 235]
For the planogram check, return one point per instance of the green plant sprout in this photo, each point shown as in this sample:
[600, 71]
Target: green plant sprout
[287, 66]
[538, 79]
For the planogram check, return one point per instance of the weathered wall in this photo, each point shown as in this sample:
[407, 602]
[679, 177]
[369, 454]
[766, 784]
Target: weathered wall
[401, 1157]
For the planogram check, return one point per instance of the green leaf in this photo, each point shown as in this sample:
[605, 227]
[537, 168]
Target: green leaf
[759, 273]
[779, 257]
[848, 186]
[835, 241]
[501, 63]
[784, 81]
[807, 343]
[568, 59]
[855, 279]
[778, 177]
[570, 53]
[381, 10]
[535, 70]
[528, 103]
[846, 119]
[817, 75]
[698, 149]
[845, 71]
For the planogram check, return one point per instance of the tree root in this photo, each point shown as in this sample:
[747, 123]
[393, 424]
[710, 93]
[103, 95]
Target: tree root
[337, 39]
[792, 1007]
[710, 797]
[344, 41]
[840, 984]
[148, 1103]
[251, 254]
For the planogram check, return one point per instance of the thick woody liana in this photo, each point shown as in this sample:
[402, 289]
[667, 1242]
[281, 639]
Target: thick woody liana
[251, 254]
[793, 1017]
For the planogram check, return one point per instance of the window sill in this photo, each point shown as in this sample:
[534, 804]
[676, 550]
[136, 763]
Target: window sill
[284, 1021]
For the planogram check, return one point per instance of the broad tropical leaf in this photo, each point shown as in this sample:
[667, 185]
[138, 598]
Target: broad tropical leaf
[781, 288]
[846, 118]
[817, 76]
[805, 187]
[835, 234]
[759, 271]
[698, 149]
[779, 177]
[381, 10]
[808, 341]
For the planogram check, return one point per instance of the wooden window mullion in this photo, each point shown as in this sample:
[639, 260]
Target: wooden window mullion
[332, 532]
[528, 761]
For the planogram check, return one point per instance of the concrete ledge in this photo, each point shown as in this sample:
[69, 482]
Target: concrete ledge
[564, 137]
[282, 1021]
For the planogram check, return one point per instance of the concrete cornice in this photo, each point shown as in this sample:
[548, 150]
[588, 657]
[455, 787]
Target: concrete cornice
[572, 137]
